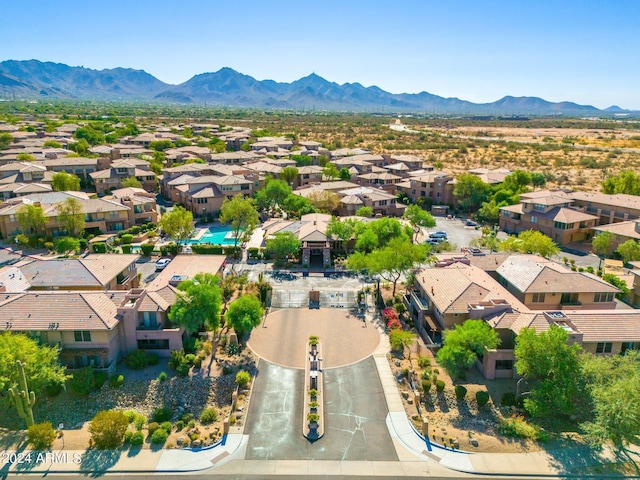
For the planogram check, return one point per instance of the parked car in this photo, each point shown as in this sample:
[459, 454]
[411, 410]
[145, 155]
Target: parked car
[162, 263]
[439, 234]
[471, 223]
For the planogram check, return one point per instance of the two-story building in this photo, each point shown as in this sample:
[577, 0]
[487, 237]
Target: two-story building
[549, 213]
[112, 177]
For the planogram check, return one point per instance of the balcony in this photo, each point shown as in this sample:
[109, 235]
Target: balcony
[419, 302]
[142, 326]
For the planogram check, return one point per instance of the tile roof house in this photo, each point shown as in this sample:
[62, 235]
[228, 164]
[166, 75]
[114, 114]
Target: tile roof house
[112, 177]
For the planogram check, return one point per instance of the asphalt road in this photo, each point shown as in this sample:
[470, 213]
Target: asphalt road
[355, 413]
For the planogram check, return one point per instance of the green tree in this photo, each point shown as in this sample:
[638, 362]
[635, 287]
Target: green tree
[107, 429]
[32, 219]
[345, 174]
[274, 192]
[602, 244]
[366, 212]
[297, 205]
[198, 303]
[618, 283]
[390, 262]
[614, 384]
[464, 343]
[6, 139]
[132, 182]
[282, 245]
[629, 250]
[241, 214]
[489, 212]
[161, 145]
[40, 363]
[627, 182]
[538, 180]
[417, 217]
[530, 241]
[65, 182]
[71, 216]
[289, 174]
[324, 201]
[67, 244]
[343, 230]
[90, 134]
[25, 157]
[402, 339]
[302, 160]
[471, 192]
[387, 229]
[553, 366]
[517, 181]
[366, 241]
[244, 314]
[331, 172]
[178, 224]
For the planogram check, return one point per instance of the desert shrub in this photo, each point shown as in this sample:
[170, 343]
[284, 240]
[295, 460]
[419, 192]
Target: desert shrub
[162, 414]
[439, 386]
[426, 386]
[99, 247]
[313, 393]
[482, 398]
[508, 399]
[179, 425]
[517, 426]
[426, 374]
[82, 382]
[131, 415]
[242, 378]
[98, 379]
[183, 370]
[460, 392]
[159, 436]
[107, 429]
[49, 246]
[208, 415]
[226, 370]
[53, 389]
[126, 239]
[166, 426]
[152, 358]
[137, 360]
[116, 380]
[189, 358]
[147, 249]
[197, 363]
[233, 349]
[139, 421]
[136, 439]
[83, 243]
[424, 361]
[191, 423]
[162, 377]
[313, 417]
[153, 426]
[41, 436]
[127, 249]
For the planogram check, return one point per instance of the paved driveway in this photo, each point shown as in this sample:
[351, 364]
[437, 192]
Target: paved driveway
[355, 413]
[283, 337]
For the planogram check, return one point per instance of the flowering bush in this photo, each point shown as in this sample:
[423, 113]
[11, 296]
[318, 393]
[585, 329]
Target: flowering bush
[391, 318]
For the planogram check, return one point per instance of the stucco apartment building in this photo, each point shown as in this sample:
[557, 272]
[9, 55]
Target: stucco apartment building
[98, 328]
[448, 296]
[551, 213]
[111, 178]
[435, 187]
[104, 215]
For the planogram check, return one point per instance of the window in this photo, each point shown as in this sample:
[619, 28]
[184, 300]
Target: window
[603, 297]
[534, 219]
[538, 298]
[148, 320]
[153, 344]
[82, 335]
[604, 347]
[569, 298]
[538, 207]
[504, 364]
[201, 200]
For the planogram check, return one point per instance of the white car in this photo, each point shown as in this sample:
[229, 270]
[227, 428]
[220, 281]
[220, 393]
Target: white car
[163, 262]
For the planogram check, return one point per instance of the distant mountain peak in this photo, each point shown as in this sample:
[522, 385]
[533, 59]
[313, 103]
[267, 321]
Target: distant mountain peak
[228, 87]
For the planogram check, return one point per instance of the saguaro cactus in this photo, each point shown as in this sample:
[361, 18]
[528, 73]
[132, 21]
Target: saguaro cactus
[22, 398]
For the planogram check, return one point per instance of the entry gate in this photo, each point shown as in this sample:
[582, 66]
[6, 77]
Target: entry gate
[285, 298]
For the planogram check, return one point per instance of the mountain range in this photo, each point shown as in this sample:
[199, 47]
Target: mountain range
[226, 87]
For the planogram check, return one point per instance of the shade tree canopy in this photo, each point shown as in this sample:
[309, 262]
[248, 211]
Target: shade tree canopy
[241, 214]
[464, 343]
[71, 216]
[65, 182]
[244, 314]
[198, 303]
[177, 223]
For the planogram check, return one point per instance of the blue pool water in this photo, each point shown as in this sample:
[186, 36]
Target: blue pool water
[217, 236]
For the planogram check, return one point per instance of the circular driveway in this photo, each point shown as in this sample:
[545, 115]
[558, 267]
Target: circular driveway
[283, 337]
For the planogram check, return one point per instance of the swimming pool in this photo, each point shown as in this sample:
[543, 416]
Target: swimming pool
[215, 235]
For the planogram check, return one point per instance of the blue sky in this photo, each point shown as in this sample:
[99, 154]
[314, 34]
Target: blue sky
[584, 51]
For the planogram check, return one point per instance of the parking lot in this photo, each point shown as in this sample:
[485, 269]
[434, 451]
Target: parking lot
[458, 233]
